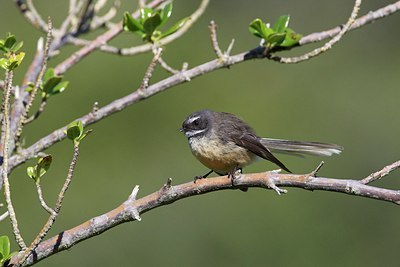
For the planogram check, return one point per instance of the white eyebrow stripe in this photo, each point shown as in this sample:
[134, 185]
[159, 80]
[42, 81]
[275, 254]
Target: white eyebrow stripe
[193, 119]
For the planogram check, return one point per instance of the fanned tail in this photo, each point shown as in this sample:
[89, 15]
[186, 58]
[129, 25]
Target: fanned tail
[301, 147]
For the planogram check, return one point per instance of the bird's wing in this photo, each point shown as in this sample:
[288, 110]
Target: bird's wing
[253, 144]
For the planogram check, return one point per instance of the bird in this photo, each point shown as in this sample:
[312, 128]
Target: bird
[225, 144]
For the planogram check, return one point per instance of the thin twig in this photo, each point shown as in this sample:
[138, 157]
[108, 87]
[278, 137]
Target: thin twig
[328, 45]
[131, 51]
[150, 70]
[214, 39]
[38, 82]
[380, 174]
[99, 21]
[40, 110]
[41, 199]
[98, 42]
[5, 142]
[31, 14]
[131, 209]
[53, 215]
[4, 216]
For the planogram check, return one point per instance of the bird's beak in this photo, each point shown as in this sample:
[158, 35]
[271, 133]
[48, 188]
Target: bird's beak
[181, 130]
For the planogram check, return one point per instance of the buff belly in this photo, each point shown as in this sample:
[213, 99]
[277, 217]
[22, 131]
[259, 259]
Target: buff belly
[220, 157]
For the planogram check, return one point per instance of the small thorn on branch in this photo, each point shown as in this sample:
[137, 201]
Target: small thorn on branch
[133, 195]
[314, 172]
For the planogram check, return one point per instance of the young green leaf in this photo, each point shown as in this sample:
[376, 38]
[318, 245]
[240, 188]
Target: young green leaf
[10, 41]
[45, 162]
[131, 24]
[281, 24]
[275, 38]
[145, 13]
[4, 247]
[4, 63]
[31, 172]
[260, 29]
[15, 60]
[152, 23]
[291, 38]
[75, 131]
[48, 74]
[51, 83]
[59, 88]
[165, 13]
[17, 46]
[174, 28]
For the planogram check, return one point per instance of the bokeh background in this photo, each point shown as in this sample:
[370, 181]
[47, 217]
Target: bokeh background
[349, 96]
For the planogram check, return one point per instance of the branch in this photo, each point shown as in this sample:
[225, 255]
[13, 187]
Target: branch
[54, 213]
[5, 141]
[98, 42]
[120, 104]
[328, 45]
[31, 14]
[380, 174]
[148, 47]
[38, 82]
[132, 208]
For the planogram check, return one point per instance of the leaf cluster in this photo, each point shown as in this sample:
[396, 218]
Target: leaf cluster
[75, 132]
[37, 171]
[277, 36]
[11, 57]
[149, 22]
[51, 84]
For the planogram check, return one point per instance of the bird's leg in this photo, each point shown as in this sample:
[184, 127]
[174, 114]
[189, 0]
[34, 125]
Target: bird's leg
[202, 176]
[235, 174]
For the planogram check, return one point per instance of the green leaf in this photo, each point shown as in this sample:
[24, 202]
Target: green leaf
[48, 74]
[51, 83]
[276, 38]
[85, 134]
[259, 29]
[4, 63]
[281, 24]
[75, 130]
[174, 28]
[145, 13]
[15, 60]
[165, 13]
[10, 41]
[45, 162]
[291, 38]
[17, 46]
[59, 88]
[4, 246]
[131, 24]
[31, 172]
[151, 23]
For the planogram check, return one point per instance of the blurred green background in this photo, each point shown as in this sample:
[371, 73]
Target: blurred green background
[349, 96]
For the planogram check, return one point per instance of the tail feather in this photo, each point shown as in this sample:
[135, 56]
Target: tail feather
[301, 147]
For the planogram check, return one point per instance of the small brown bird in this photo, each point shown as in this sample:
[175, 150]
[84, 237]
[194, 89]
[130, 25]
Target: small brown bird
[224, 143]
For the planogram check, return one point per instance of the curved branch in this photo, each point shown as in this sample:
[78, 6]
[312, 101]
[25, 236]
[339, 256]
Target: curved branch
[132, 208]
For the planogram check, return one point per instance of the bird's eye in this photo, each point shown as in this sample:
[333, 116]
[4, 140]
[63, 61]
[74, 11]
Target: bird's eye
[196, 122]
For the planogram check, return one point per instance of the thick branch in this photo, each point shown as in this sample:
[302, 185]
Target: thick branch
[131, 209]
